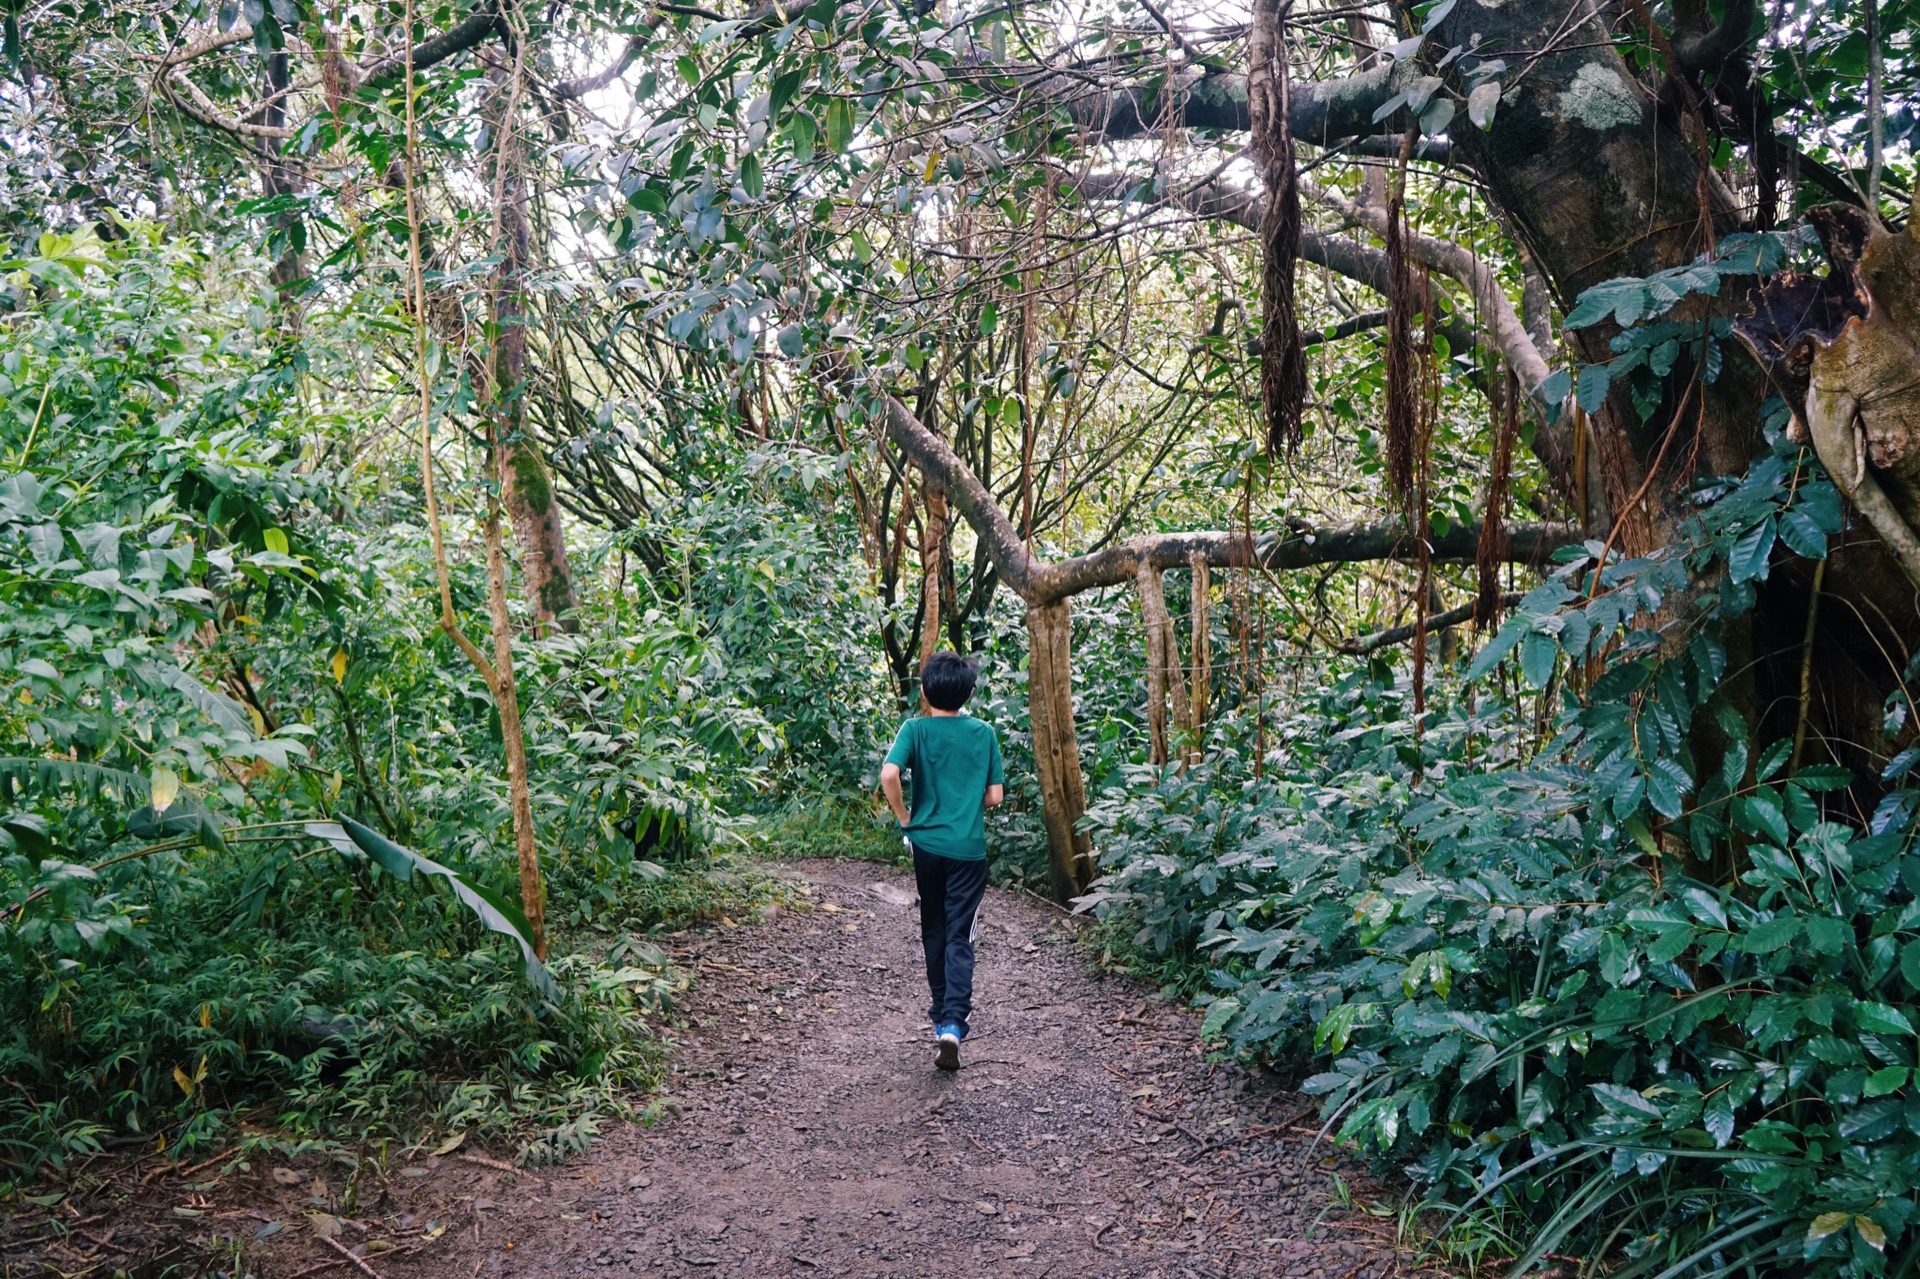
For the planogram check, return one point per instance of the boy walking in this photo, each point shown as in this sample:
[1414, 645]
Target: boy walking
[957, 777]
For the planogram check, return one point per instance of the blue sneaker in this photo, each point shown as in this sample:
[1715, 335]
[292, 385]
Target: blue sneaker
[948, 1055]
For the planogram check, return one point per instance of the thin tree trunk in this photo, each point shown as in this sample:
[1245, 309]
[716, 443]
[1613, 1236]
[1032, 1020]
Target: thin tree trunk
[533, 891]
[1056, 751]
[1153, 612]
[1166, 682]
[1202, 646]
[497, 674]
[933, 550]
[526, 488]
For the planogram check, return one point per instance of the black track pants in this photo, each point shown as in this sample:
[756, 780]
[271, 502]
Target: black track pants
[950, 893]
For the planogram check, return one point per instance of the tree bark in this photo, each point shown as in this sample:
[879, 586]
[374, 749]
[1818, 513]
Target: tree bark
[506, 696]
[526, 488]
[933, 550]
[1164, 679]
[1202, 645]
[1056, 750]
[498, 673]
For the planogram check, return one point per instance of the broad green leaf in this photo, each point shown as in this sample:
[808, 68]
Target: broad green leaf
[839, 125]
[1766, 937]
[163, 785]
[1881, 1019]
[1885, 1082]
[1751, 551]
[1538, 655]
[1219, 1013]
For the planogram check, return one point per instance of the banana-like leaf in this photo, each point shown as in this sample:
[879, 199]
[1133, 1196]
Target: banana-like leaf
[493, 910]
[34, 773]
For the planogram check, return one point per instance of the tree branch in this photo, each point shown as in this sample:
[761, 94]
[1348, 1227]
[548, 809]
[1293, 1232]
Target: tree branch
[455, 40]
[1401, 634]
[1510, 336]
[1323, 112]
[1300, 545]
[200, 107]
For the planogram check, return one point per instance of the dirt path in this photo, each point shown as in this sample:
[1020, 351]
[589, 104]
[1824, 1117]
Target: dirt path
[1084, 1137]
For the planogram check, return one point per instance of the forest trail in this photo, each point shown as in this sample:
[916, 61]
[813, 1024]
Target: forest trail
[1084, 1136]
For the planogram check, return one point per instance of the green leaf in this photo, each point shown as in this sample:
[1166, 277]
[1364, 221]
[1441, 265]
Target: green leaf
[752, 181]
[840, 125]
[1881, 1019]
[1595, 381]
[1803, 534]
[1885, 1082]
[1538, 655]
[493, 911]
[1767, 937]
[1748, 560]
[1336, 1029]
[1625, 1102]
[1218, 1015]
[1873, 1120]
[1910, 963]
[1824, 777]
[1483, 102]
[802, 132]
[1760, 814]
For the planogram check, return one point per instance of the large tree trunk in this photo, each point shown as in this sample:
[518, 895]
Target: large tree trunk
[526, 488]
[1056, 750]
[1598, 182]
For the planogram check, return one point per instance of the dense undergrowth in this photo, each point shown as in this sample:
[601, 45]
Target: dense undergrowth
[217, 626]
[1601, 988]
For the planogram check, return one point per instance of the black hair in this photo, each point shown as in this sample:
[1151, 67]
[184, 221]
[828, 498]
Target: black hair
[947, 680]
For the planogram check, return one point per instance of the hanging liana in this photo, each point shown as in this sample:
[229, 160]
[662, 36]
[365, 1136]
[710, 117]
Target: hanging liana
[1283, 361]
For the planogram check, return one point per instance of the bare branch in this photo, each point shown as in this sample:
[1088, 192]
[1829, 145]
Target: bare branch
[198, 106]
[455, 40]
[1401, 634]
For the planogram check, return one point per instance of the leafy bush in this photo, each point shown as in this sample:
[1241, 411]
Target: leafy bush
[221, 640]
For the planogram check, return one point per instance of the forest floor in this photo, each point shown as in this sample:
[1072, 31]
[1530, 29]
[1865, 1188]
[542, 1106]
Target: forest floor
[1085, 1136]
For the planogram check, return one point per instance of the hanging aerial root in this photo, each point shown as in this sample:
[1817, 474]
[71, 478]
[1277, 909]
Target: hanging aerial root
[1403, 409]
[1283, 359]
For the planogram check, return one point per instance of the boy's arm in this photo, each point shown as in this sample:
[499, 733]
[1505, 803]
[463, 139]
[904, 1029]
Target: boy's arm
[996, 776]
[890, 787]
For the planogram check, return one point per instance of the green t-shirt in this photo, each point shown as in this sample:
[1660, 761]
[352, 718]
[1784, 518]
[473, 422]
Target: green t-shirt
[952, 760]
